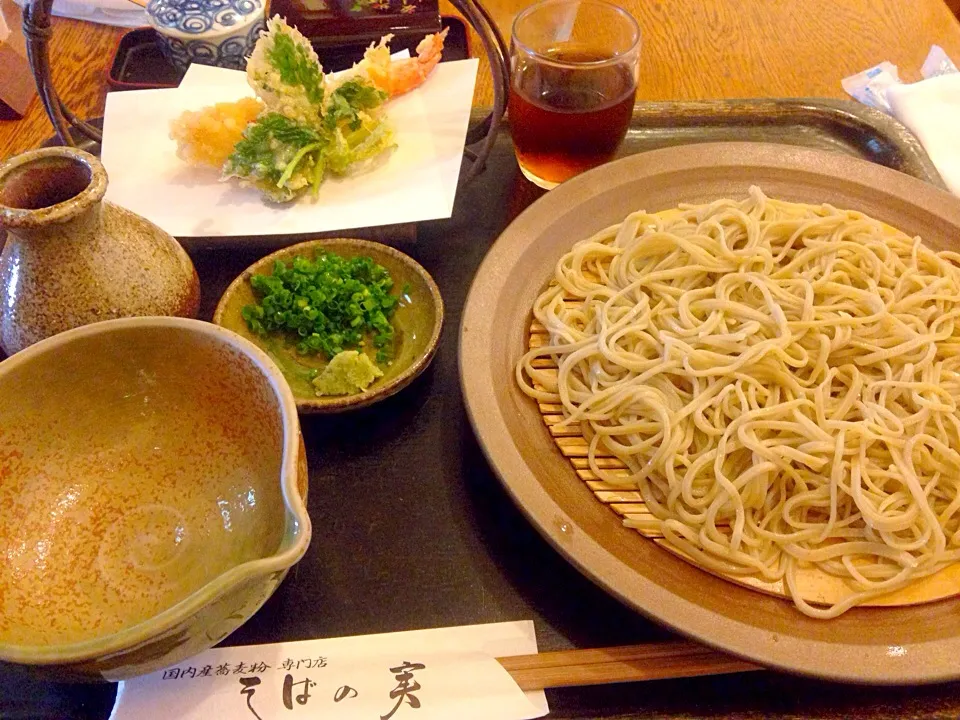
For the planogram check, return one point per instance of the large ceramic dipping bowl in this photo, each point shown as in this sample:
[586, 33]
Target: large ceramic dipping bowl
[152, 485]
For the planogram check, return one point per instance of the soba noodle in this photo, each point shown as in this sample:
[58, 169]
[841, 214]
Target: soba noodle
[780, 381]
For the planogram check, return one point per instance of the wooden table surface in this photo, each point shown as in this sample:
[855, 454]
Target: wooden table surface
[692, 50]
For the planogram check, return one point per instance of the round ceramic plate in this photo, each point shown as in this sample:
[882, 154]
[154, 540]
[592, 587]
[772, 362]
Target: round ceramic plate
[900, 645]
[418, 321]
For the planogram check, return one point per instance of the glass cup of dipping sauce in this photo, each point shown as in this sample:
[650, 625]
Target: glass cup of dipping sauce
[573, 79]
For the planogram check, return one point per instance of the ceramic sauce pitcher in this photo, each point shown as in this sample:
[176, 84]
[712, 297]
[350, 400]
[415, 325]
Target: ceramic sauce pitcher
[72, 258]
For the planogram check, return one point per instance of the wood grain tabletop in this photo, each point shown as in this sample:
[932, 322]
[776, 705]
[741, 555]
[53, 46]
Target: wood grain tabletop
[692, 50]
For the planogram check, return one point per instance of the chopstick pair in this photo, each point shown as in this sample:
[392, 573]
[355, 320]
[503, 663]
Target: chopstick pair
[629, 663]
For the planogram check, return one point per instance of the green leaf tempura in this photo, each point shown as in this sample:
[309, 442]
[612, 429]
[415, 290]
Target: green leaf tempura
[286, 74]
[279, 156]
[297, 66]
[348, 101]
[313, 124]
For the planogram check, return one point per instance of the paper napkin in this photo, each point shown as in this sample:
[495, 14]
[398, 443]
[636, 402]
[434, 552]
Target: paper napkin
[423, 675]
[122, 13]
[931, 109]
[417, 181]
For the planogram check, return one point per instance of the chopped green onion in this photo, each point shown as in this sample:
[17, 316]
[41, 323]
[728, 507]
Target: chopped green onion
[326, 305]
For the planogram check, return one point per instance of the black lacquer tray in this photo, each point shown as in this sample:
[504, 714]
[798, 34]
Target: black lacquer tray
[413, 530]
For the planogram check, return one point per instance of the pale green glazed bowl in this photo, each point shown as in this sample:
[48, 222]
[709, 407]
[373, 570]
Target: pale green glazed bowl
[152, 495]
[418, 322]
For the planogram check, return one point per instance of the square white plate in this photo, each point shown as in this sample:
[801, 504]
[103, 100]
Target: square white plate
[417, 181]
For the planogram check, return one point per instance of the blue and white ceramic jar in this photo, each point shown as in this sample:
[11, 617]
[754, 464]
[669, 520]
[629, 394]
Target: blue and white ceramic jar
[209, 32]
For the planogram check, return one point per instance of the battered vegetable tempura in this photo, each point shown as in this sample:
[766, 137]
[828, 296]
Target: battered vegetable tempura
[306, 124]
[286, 74]
[208, 136]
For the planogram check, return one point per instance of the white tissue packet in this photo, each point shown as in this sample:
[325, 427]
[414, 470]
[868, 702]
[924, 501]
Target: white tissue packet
[929, 108]
[937, 63]
[870, 86]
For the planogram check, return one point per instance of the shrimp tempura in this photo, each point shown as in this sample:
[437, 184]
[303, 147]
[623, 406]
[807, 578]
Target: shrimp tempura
[396, 77]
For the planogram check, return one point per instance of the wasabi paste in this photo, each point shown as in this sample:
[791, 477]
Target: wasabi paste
[347, 373]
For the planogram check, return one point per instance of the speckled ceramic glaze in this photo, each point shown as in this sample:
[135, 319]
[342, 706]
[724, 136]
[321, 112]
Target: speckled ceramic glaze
[72, 258]
[418, 322]
[152, 485]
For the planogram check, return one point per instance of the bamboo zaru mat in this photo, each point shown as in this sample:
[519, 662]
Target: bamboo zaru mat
[815, 586]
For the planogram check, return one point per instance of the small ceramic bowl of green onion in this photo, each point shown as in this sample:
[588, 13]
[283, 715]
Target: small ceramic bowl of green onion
[348, 322]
